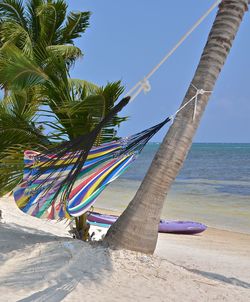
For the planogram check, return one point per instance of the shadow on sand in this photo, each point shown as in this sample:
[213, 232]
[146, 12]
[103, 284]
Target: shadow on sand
[222, 278]
[47, 267]
[15, 237]
[216, 277]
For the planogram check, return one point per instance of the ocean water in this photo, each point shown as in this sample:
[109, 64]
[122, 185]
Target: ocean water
[213, 186]
[209, 168]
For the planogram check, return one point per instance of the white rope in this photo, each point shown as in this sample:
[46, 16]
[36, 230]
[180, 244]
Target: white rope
[144, 86]
[195, 99]
[140, 86]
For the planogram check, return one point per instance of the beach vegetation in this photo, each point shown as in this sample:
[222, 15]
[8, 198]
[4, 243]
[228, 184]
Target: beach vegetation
[42, 105]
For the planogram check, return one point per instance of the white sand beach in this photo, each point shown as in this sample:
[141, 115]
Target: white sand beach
[40, 262]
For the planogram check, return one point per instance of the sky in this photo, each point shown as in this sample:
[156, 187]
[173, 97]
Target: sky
[126, 39]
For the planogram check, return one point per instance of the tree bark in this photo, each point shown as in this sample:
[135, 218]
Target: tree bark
[137, 228]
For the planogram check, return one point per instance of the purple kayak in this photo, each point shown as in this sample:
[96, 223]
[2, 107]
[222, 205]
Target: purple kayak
[165, 226]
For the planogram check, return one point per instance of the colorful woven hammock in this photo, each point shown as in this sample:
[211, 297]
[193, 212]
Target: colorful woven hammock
[99, 170]
[39, 194]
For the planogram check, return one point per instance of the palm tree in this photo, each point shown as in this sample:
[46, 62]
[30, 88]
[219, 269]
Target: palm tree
[36, 55]
[40, 22]
[73, 107]
[42, 25]
[137, 228]
[38, 50]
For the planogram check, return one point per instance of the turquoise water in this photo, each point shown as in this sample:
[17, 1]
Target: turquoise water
[214, 168]
[213, 186]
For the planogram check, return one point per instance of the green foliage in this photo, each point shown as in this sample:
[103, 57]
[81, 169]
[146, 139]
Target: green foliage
[17, 70]
[41, 22]
[18, 132]
[13, 10]
[86, 106]
[77, 105]
[36, 54]
[77, 22]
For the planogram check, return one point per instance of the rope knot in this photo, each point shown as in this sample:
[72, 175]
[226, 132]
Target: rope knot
[145, 85]
[195, 98]
[201, 91]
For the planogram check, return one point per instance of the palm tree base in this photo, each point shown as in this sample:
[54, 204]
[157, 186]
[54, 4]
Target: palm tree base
[131, 234]
[81, 229]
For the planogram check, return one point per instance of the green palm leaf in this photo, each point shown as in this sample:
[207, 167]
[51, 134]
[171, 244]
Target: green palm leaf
[51, 17]
[11, 168]
[69, 53]
[13, 32]
[13, 10]
[17, 70]
[86, 107]
[18, 132]
[77, 23]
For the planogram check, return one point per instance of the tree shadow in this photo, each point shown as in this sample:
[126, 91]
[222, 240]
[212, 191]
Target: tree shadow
[219, 277]
[21, 236]
[49, 267]
[53, 293]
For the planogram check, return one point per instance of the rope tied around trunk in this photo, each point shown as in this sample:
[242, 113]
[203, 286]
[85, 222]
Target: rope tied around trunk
[193, 98]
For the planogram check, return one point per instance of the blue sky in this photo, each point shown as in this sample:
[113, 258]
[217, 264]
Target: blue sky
[127, 38]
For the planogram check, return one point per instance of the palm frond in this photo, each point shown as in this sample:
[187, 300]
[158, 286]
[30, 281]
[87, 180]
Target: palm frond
[81, 89]
[51, 17]
[17, 120]
[88, 105]
[77, 23]
[17, 70]
[13, 32]
[111, 93]
[13, 10]
[33, 20]
[69, 53]
[18, 132]
[11, 168]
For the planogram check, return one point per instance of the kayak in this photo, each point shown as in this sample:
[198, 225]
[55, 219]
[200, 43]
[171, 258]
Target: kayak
[165, 226]
[181, 227]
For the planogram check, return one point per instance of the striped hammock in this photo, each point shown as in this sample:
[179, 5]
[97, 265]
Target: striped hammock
[37, 195]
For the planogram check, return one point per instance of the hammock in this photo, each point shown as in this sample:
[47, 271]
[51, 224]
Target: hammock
[65, 182]
[40, 193]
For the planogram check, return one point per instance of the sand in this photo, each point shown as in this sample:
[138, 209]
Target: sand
[40, 262]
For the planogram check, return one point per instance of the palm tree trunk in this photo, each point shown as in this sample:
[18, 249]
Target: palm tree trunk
[82, 227]
[137, 228]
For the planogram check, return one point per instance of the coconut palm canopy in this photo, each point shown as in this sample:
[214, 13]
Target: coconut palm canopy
[43, 106]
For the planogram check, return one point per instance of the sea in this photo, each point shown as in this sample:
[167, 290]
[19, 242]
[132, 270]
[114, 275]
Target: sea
[212, 187]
